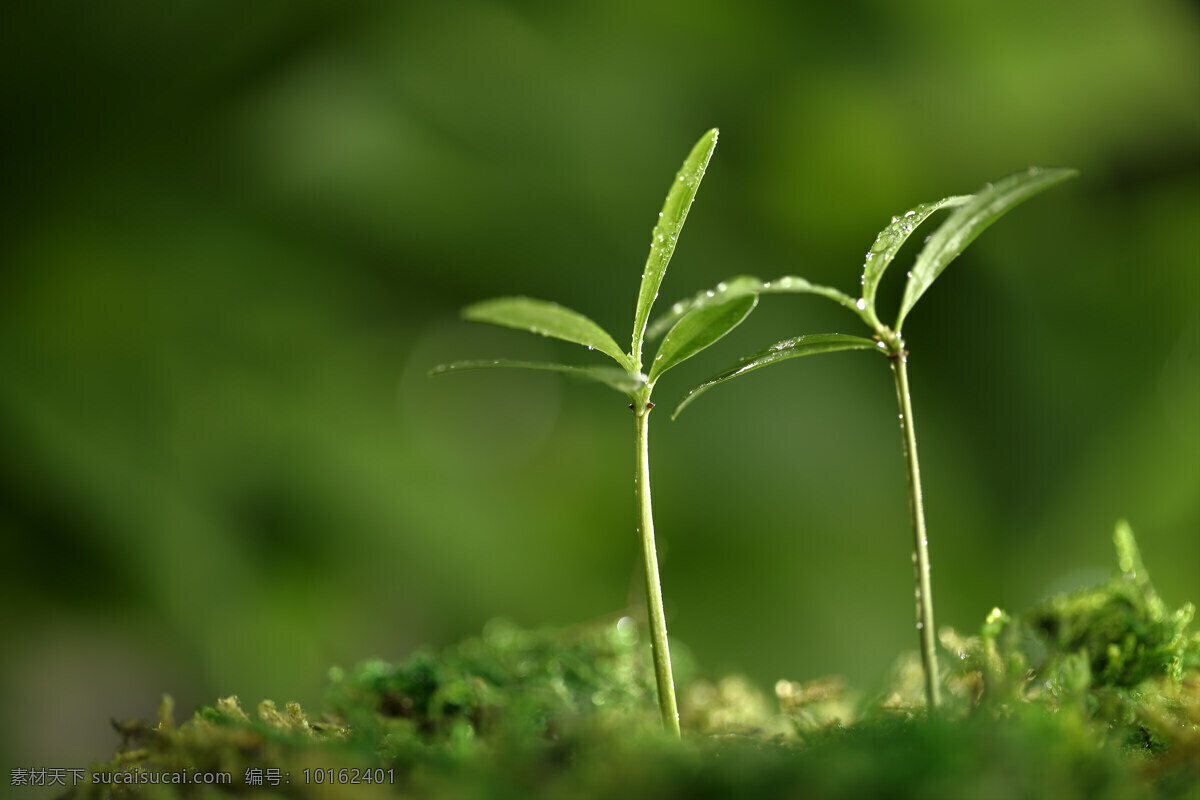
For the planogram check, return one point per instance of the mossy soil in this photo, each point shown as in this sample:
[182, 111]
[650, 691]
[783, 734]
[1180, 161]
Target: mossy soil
[1090, 695]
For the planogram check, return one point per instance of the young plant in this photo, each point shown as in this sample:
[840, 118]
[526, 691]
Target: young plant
[971, 215]
[689, 334]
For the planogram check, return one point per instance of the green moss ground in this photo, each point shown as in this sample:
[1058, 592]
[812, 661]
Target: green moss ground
[1095, 694]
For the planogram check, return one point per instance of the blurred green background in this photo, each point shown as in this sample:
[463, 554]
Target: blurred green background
[236, 236]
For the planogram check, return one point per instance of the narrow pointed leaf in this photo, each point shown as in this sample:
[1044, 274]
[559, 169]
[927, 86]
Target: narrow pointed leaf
[698, 330]
[740, 286]
[970, 220]
[666, 233]
[890, 239]
[782, 351]
[546, 319]
[618, 379]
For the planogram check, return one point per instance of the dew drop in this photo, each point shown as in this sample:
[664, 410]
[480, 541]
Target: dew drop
[711, 293]
[910, 213]
[861, 305]
[722, 286]
[920, 626]
[590, 347]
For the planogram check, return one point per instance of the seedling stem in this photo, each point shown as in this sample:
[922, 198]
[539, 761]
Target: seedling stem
[654, 602]
[933, 693]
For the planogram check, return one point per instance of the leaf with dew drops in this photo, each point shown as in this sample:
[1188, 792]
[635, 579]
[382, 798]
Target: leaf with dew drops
[890, 239]
[968, 221]
[547, 319]
[781, 351]
[740, 286]
[666, 233]
[698, 330]
[619, 379]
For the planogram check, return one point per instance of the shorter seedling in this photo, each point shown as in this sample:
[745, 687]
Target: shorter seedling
[972, 214]
[689, 334]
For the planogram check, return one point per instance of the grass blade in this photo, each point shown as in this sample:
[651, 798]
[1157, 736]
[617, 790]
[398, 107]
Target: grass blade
[970, 220]
[547, 319]
[782, 351]
[891, 238]
[741, 286]
[666, 233]
[619, 379]
[698, 330]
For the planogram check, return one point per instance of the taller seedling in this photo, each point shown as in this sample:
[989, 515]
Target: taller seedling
[689, 334]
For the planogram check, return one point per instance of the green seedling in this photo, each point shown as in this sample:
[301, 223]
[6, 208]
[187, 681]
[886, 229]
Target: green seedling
[689, 334]
[971, 215]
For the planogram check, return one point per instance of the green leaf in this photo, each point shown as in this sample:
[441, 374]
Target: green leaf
[970, 220]
[619, 379]
[698, 330]
[740, 286]
[891, 238]
[782, 351]
[547, 319]
[666, 233]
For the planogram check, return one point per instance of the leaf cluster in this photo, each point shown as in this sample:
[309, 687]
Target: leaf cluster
[971, 215]
[687, 335]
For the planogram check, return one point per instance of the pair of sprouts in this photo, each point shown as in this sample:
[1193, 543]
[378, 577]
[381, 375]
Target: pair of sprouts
[695, 324]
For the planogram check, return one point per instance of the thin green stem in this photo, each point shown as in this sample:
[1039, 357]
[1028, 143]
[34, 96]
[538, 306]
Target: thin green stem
[920, 538]
[654, 603]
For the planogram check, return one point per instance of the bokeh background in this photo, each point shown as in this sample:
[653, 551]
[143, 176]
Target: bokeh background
[235, 238]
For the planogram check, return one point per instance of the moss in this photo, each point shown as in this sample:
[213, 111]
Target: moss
[1090, 695]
